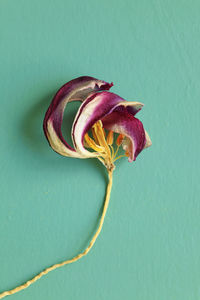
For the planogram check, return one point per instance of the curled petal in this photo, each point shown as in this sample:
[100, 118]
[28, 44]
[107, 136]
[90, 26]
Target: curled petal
[123, 122]
[95, 108]
[75, 90]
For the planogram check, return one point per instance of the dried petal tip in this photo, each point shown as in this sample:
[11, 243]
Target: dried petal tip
[148, 140]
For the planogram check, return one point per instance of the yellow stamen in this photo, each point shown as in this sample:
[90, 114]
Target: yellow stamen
[95, 136]
[101, 137]
[110, 138]
[91, 143]
[103, 145]
[112, 151]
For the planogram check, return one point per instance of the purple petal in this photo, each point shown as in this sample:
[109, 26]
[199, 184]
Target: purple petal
[96, 107]
[123, 122]
[75, 90]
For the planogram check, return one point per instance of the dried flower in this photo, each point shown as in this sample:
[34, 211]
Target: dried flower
[100, 117]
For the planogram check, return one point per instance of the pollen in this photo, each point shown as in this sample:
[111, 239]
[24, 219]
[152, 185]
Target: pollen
[110, 138]
[127, 154]
[119, 139]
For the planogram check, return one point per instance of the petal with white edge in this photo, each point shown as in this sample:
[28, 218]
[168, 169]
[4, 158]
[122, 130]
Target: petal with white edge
[75, 90]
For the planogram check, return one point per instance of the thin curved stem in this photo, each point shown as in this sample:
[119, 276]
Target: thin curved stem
[75, 258]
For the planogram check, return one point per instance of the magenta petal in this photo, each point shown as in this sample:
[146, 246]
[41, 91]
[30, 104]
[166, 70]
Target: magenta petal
[96, 107]
[75, 90]
[122, 121]
[93, 109]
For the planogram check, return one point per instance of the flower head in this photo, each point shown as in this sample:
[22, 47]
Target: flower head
[103, 120]
[101, 113]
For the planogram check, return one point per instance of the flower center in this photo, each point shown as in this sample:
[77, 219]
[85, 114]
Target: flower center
[103, 145]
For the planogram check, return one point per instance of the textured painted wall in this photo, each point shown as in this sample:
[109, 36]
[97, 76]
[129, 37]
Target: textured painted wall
[150, 245]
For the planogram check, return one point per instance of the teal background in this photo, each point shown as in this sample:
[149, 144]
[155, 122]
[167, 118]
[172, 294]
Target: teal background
[149, 248]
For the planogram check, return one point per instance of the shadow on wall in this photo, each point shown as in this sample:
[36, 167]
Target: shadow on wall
[32, 124]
